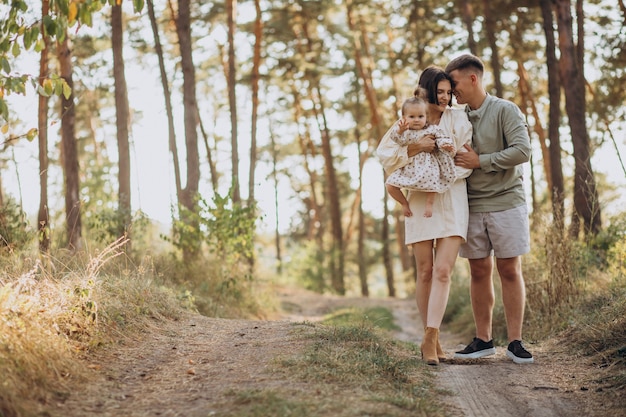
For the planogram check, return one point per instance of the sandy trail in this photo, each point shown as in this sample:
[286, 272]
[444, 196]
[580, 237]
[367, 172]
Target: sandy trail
[187, 368]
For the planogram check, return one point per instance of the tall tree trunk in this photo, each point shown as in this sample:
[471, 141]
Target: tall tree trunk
[232, 98]
[316, 225]
[406, 257]
[69, 151]
[209, 152]
[467, 13]
[122, 120]
[490, 28]
[332, 197]
[585, 193]
[190, 192]
[360, 40]
[361, 54]
[167, 97]
[554, 92]
[365, 292]
[277, 243]
[332, 201]
[256, 64]
[43, 217]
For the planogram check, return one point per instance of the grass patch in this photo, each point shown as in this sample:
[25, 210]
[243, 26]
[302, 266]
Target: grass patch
[357, 370]
[262, 403]
[599, 332]
[60, 310]
[379, 317]
[350, 367]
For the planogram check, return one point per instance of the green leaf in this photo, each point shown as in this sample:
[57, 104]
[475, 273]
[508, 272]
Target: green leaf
[27, 39]
[50, 26]
[40, 45]
[67, 91]
[4, 109]
[4, 63]
[48, 87]
[63, 6]
[31, 134]
[16, 49]
[138, 5]
[58, 86]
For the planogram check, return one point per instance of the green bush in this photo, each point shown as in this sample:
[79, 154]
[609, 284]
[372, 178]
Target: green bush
[15, 232]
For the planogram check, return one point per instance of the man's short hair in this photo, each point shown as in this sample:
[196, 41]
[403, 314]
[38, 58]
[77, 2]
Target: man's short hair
[466, 61]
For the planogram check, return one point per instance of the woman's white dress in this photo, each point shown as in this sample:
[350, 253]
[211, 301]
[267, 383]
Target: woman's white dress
[450, 210]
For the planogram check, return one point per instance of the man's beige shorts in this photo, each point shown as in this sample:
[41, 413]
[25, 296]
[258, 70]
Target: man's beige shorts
[503, 233]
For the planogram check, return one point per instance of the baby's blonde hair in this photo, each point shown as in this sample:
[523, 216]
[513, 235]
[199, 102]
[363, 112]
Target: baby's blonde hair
[415, 100]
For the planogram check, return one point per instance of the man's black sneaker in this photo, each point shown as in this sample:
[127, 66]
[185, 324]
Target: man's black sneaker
[477, 349]
[518, 353]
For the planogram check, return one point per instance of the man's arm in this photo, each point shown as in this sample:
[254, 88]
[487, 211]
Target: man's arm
[517, 141]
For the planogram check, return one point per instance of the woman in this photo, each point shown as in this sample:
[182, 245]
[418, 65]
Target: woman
[435, 240]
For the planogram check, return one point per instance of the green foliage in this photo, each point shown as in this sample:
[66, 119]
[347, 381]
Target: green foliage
[220, 281]
[226, 229]
[107, 224]
[308, 266]
[15, 28]
[15, 233]
[229, 228]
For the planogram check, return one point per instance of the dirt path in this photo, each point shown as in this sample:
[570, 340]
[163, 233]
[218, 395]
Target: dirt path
[187, 368]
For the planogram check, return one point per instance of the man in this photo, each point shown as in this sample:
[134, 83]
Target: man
[498, 224]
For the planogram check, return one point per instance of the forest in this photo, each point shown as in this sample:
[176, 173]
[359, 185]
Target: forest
[252, 109]
[221, 147]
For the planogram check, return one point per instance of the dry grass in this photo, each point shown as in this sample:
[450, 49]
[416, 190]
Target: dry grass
[60, 309]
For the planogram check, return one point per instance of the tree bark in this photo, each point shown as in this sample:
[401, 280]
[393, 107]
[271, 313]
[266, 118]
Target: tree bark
[467, 13]
[167, 96]
[190, 106]
[585, 193]
[43, 216]
[122, 121]
[232, 99]
[555, 174]
[255, 76]
[490, 28]
[69, 152]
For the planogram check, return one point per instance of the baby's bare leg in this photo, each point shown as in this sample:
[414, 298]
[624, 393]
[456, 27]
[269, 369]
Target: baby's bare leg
[397, 194]
[430, 199]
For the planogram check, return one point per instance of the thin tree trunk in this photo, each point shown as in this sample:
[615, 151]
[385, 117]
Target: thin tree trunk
[316, 226]
[554, 92]
[209, 153]
[529, 103]
[361, 54]
[43, 217]
[277, 243]
[365, 292]
[190, 192]
[122, 118]
[490, 28]
[585, 192]
[69, 152]
[337, 255]
[467, 12]
[332, 197]
[406, 257]
[167, 97]
[232, 98]
[256, 64]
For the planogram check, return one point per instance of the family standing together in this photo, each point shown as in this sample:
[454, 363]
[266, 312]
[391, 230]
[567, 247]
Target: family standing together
[480, 213]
